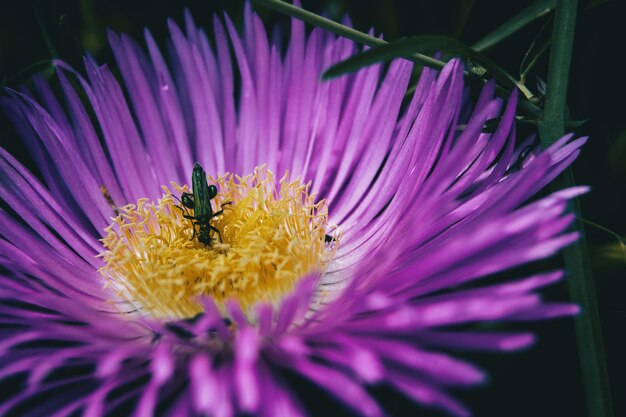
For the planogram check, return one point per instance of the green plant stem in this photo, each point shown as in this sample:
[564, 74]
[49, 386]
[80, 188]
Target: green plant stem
[587, 325]
[46, 36]
[537, 9]
[576, 256]
[525, 106]
[342, 30]
[552, 126]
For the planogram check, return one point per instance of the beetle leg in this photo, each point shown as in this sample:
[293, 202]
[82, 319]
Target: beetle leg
[194, 231]
[216, 231]
[217, 213]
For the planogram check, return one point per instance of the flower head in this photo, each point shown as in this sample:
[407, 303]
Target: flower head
[266, 240]
[124, 292]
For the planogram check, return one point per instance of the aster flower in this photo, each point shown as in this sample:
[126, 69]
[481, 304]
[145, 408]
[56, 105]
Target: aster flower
[350, 226]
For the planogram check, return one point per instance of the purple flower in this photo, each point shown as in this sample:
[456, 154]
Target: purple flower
[424, 201]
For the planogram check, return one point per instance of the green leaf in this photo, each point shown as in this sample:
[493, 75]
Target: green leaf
[537, 48]
[525, 106]
[532, 12]
[477, 64]
[44, 32]
[45, 68]
[619, 239]
[341, 30]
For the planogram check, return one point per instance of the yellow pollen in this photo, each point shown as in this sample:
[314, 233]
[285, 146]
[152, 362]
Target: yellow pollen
[271, 238]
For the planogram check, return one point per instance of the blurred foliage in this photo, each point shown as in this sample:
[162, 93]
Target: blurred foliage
[543, 381]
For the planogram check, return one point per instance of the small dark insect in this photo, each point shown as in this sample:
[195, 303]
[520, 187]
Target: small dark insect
[491, 125]
[519, 164]
[328, 239]
[200, 202]
[180, 331]
[186, 328]
[109, 199]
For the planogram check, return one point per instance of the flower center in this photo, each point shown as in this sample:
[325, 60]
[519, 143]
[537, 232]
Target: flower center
[269, 239]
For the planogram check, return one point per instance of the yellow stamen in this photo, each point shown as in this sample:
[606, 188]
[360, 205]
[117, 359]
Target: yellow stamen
[270, 239]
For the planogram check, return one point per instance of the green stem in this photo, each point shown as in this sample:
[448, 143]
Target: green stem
[576, 256]
[342, 30]
[525, 106]
[553, 124]
[46, 36]
[532, 12]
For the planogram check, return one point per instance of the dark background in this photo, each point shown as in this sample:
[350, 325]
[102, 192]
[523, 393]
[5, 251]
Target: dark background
[542, 381]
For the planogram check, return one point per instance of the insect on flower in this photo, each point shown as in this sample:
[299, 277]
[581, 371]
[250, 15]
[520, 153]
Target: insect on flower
[364, 235]
[200, 202]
